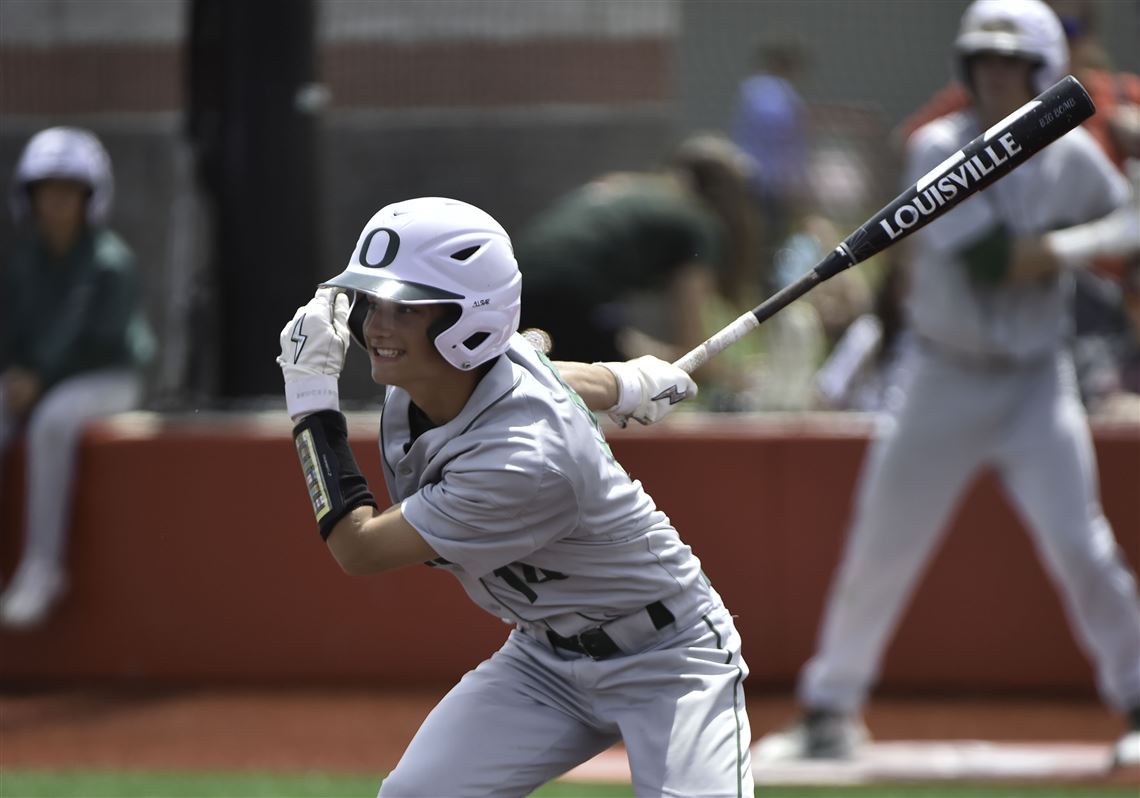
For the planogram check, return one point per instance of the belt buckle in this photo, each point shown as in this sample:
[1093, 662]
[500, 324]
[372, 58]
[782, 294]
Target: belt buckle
[596, 643]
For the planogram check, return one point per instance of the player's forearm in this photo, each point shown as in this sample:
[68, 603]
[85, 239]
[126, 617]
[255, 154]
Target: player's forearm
[644, 389]
[367, 541]
[595, 384]
[1115, 235]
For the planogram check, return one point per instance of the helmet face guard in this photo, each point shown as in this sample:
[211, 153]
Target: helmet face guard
[1024, 29]
[434, 250]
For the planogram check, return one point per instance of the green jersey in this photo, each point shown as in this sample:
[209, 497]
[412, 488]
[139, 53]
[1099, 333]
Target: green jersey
[80, 312]
[611, 237]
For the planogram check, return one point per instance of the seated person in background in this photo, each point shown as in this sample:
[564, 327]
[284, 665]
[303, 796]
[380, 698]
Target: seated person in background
[683, 234]
[72, 343]
[866, 369]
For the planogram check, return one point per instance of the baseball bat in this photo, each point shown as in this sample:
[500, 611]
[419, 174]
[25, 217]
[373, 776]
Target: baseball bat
[978, 165]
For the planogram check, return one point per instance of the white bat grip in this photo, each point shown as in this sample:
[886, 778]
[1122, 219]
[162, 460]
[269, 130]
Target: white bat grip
[729, 335]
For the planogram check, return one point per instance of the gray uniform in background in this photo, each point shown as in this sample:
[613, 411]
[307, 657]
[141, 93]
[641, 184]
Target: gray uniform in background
[524, 503]
[990, 385]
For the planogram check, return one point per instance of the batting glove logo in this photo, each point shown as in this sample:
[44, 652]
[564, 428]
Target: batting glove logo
[298, 338]
[672, 394]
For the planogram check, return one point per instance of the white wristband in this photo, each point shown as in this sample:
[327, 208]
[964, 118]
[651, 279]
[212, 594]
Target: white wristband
[629, 388]
[311, 395]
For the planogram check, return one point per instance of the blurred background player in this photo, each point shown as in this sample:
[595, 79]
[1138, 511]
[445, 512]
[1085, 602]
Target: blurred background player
[72, 343]
[1116, 124]
[499, 475]
[635, 264]
[991, 385]
[770, 125]
[683, 235]
[1097, 311]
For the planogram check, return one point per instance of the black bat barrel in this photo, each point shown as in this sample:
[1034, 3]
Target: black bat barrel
[978, 165]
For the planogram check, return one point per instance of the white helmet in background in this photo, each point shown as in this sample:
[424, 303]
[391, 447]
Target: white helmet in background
[434, 250]
[1027, 29]
[70, 153]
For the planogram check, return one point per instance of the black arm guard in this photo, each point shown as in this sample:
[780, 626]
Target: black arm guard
[336, 486]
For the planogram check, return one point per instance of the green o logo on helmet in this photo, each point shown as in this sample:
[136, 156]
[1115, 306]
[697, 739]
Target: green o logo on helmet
[389, 252]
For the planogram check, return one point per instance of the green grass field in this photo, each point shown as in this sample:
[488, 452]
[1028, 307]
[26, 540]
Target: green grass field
[91, 784]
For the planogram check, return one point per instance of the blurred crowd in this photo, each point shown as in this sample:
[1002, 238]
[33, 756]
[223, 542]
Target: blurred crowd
[635, 264]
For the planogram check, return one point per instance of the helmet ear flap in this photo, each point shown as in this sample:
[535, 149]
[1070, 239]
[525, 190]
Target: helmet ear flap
[356, 315]
[451, 314]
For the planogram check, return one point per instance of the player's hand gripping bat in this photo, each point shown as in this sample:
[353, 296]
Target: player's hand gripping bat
[978, 165]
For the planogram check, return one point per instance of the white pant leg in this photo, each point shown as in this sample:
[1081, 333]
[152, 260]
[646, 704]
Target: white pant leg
[680, 707]
[53, 432]
[915, 472]
[1050, 471]
[509, 726]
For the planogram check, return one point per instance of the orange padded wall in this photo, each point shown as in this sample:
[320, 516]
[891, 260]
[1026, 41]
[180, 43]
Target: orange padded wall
[195, 558]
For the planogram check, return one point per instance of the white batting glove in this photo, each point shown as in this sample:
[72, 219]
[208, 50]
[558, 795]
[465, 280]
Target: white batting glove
[648, 388]
[313, 346]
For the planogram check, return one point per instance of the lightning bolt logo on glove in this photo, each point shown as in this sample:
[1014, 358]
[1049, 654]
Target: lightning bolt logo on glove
[673, 394]
[298, 338]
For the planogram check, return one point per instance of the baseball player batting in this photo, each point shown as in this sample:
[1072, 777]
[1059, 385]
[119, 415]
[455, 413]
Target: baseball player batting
[498, 474]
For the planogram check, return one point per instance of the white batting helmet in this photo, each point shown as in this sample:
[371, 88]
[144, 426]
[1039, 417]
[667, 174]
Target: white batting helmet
[434, 250]
[64, 152]
[1027, 29]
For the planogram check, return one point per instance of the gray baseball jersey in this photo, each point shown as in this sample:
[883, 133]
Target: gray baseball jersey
[1069, 182]
[525, 504]
[989, 385]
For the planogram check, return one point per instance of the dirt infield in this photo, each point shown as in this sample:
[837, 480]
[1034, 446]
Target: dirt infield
[364, 731]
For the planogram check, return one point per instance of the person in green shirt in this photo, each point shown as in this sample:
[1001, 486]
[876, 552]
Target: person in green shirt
[73, 343]
[682, 234]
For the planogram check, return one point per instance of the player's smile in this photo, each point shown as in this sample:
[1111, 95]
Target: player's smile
[399, 348]
[386, 354]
